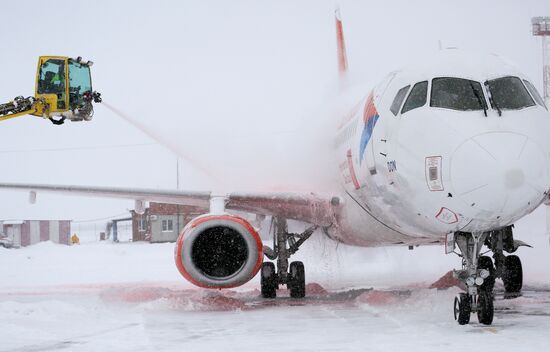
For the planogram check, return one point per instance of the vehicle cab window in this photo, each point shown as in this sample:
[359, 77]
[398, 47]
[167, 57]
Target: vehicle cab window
[79, 83]
[534, 92]
[457, 94]
[398, 100]
[51, 80]
[417, 97]
[509, 93]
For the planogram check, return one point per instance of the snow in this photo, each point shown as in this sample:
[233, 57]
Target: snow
[130, 297]
[250, 73]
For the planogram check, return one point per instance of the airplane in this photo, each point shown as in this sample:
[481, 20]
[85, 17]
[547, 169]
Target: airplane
[451, 151]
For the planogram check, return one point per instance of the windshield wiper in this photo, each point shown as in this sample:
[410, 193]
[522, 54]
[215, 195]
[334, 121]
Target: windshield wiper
[481, 102]
[493, 102]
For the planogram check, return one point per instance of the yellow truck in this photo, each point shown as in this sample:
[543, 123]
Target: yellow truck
[63, 92]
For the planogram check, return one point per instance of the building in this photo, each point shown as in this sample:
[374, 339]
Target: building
[26, 232]
[162, 222]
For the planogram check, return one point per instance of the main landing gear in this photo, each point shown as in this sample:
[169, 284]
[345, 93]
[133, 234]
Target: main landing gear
[293, 276]
[478, 273]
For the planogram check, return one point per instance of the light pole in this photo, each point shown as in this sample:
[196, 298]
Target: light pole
[541, 28]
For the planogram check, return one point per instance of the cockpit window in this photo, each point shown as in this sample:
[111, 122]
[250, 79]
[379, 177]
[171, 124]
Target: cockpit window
[398, 100]
[509, 93]
[534, 92]
[457, 94]
[417, 98]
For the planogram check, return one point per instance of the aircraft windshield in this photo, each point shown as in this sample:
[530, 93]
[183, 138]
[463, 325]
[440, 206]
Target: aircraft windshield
[457, 94]
[509, 93]
[417, 98]
[531, 88]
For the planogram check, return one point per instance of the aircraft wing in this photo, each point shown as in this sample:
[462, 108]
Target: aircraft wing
[306, 207]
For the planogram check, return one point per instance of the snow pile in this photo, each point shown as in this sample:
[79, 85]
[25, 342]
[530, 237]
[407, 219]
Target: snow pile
[49, 264]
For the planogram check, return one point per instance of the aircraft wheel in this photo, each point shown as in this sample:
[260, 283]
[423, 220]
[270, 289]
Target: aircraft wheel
[485, 308]
[486, 263]
[462, 308]
[297, 280]
[268, 280]
[512, 277]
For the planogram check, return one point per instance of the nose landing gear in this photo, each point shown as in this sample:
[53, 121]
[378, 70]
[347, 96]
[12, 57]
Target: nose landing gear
[478, 273]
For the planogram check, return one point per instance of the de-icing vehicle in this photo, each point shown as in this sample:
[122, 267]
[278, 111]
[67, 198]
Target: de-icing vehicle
[63, 92]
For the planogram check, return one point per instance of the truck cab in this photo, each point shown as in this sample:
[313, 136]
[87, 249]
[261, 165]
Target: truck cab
[65, 84]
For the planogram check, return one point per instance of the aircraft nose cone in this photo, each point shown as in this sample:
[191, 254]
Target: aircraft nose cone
[514, 178]
[499, 172]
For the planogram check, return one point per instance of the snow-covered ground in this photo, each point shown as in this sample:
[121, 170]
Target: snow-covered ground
[130, 297]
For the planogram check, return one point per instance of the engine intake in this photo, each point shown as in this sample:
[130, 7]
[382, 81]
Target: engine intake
[218, 251]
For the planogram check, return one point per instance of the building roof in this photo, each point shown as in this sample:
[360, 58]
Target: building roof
[19, 222]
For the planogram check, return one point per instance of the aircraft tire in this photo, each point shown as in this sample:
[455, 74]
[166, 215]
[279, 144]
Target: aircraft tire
[485, 308]
[297, 280]
[268, 280]
[462, 308]
[512, 277]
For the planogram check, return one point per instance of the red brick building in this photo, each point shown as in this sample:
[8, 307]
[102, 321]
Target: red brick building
[162, 222]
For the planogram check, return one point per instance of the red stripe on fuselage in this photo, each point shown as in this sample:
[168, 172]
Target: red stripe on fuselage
[352, 171]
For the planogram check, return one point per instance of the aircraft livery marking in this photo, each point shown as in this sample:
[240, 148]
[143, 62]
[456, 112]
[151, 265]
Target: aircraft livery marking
[370, 116]
[447, 216]
[352, 171]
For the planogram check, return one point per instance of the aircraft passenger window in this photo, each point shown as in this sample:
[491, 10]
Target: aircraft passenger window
[398, 100]
[417, 98]
[534, 92]
[509, 93]
[457, 94]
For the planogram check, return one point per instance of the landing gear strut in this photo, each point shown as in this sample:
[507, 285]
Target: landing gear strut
[293, 276]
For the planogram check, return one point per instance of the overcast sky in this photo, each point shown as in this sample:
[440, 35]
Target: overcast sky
[236, 86]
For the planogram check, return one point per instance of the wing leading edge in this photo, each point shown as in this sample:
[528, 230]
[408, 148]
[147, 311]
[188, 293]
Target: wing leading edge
[306, 207]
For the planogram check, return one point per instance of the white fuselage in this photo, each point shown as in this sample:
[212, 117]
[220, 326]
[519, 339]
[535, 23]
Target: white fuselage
[412, 177]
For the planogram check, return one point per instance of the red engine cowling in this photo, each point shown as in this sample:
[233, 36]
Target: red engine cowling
[218, 251]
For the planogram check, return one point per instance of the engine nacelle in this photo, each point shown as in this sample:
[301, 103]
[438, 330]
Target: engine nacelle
[218, 251]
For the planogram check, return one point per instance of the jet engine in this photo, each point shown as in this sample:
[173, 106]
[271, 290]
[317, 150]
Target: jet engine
[218, 251]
